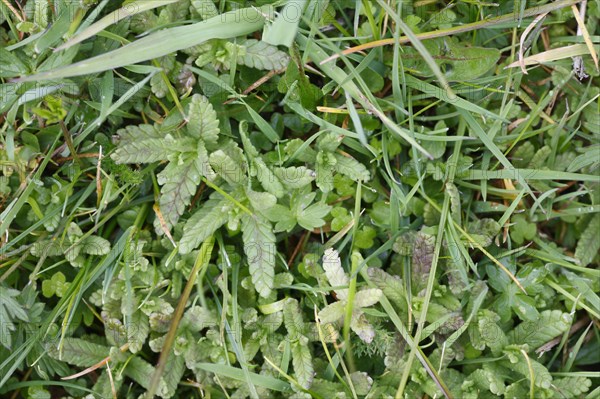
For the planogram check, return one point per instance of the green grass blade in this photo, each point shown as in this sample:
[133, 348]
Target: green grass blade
[232, 24]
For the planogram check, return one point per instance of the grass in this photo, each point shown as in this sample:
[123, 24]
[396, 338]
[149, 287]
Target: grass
[174, 175]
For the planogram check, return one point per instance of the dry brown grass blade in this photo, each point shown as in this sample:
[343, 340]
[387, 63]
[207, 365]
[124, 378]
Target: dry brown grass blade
[553, 55]
[585, 34]
[526, 32]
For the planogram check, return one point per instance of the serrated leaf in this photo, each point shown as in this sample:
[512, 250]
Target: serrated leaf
[141, 372]
[540, 157]
[202, 120]
[10, 311]
[335, 274]
[367, 297]
[142, 144]
[268, 179]
[332, 312]
[138, 329]
[422, 256]
[490, 333]
[589, 244]
[550, 324]
[292, 318]
[260, 200]
[391, 286]
[295, 177]
[260, 250]
[312, 216]
[179, 181]
[261, 55]
[352, 168]
[203, 224]
[227, 168]
[95, 245]
[79, 352]
[303, 366]
[541, 375]
[173, 372]
[572, 387]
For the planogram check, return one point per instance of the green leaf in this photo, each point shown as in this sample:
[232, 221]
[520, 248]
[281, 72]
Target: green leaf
[261, 55]
[352, 168]
[391, 286]
[589, 244]
[10, 311]
[303, 365]
[260, 249]
[535, 333]
[141, 372]
[227, 167]
[79, 352]
[95, 245]
[174, 370]
[283, 31]
[311, 217]
[142, 144]
[295, 177]
[11, 65]
[179, 181]
[137, 331]
[229, 25]
[572, 387]
[202, 120]
[268, 179]
[203, 223]
[490, 333]
[459, 61]
[541, 375]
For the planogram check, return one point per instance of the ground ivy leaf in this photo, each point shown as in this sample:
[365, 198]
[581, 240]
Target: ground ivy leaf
[259, 246]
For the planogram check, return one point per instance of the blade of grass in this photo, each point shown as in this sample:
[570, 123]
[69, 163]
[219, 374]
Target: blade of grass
[458, 29]
[231, 24]
[125, 11]
[201, 262]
